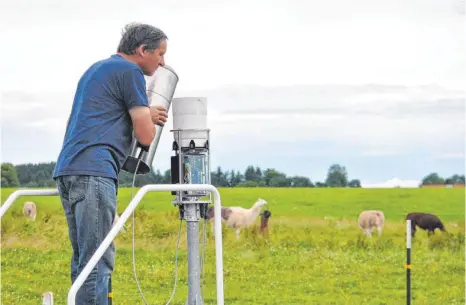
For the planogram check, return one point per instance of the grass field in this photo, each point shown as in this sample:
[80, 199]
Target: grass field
[314, 253]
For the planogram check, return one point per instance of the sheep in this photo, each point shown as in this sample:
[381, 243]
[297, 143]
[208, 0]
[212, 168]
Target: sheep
[238, 217]
[425, 221]
[370, 219]
[30, 210]
[265, 220]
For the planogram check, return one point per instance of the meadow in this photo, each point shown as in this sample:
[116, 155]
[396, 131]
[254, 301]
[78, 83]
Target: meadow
[314, 252]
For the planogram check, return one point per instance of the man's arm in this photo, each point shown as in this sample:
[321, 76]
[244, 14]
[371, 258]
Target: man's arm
[144, 129]
[135, 97]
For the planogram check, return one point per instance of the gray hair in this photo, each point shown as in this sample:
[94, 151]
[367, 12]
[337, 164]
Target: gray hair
[136, 34]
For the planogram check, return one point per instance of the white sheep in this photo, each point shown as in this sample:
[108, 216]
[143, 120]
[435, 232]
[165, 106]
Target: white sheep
[368, 220]
[238, 217]
[30, 210]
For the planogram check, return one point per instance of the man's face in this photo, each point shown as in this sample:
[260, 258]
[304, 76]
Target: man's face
[152, 59]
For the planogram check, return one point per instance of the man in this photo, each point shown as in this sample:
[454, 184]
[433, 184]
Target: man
[110, 102]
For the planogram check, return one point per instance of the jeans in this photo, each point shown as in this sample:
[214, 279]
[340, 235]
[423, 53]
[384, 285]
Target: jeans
[89, 203]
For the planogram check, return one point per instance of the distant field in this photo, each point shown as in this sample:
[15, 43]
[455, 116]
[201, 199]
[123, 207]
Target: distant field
[314, 254]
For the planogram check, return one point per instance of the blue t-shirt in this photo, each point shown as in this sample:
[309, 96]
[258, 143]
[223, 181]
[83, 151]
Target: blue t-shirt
[99, 130]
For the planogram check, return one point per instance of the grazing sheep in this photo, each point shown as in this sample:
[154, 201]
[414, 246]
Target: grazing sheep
[238, 217]
[368, 220]
[425, 221]
[265, 220]
[30, 210]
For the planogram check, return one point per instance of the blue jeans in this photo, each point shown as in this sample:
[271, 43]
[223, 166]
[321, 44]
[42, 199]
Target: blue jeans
[89, 203]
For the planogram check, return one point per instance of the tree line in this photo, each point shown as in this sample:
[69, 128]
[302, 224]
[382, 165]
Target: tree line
[435, 179]
[40, 175]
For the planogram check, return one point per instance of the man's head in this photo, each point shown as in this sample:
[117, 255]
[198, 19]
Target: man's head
[144, 45]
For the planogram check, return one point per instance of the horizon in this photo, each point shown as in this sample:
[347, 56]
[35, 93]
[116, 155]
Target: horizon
[390, 183]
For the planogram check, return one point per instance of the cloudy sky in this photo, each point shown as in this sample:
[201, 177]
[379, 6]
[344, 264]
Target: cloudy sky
[374, 85]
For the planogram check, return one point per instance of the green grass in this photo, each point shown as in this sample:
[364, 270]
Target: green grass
[314, 253]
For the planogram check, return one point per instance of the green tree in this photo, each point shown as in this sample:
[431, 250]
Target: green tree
[337, 176]
[354, 183]
[253, 174]
[274, 178]
[431, 179]
[219, 178]
[9, 175]
[298, 181]
[235, 178]
[250, 173]
[455, 179]
[36, 175]
[258, 174]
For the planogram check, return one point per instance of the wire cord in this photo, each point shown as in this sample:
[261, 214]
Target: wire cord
[133, 250]
[176, 263]
[134, 256]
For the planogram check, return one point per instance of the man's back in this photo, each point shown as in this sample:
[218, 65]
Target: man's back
[99, 129]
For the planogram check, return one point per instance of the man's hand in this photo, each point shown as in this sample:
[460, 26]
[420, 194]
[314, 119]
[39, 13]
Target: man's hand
[159, 115]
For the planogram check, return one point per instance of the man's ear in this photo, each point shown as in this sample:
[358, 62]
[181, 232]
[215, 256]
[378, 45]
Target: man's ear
[140, 50]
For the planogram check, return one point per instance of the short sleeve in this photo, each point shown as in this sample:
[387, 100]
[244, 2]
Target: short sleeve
[134, 89]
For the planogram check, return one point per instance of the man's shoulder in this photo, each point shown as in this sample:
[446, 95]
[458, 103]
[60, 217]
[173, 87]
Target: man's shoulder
[116, 63]
[111, 71]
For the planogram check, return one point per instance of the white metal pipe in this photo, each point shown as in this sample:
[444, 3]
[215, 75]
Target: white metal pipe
[16, 194]
[129, 210]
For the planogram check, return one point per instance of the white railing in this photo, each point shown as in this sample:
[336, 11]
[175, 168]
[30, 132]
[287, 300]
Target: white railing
[124, 217]
[18, 193]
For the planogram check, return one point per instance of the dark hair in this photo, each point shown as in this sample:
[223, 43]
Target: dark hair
[136, 34]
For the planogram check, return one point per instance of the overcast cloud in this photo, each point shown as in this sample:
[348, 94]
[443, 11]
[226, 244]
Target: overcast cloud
[377, 86]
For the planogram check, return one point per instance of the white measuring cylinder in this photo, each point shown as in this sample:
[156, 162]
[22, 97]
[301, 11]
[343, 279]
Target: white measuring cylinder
[190, 113]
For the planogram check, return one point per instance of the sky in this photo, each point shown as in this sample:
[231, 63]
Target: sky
[376, 86]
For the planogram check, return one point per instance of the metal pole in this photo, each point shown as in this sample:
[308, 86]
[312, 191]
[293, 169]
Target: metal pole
[408, 262]
[192, 228]
[129, 210]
